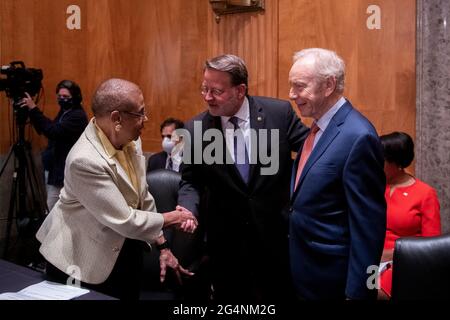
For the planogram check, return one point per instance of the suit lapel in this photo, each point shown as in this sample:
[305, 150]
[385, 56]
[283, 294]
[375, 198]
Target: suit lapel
[330, 133]
[257, 122]
[210, 122]
[139, 167]
[92, 137]
[119, 172]
[294, 172]
[324, 142]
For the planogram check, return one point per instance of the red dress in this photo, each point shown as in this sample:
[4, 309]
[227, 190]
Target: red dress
[412, 211]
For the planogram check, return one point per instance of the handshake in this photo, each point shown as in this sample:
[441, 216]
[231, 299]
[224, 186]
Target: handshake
[181, 218]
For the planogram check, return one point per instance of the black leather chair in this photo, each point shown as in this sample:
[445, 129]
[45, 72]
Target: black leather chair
[163, 186]
[421, 268]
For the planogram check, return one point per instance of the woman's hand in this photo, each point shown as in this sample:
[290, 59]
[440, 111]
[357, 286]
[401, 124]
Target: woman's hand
[182, 218]
[167, 259]
[27, 101]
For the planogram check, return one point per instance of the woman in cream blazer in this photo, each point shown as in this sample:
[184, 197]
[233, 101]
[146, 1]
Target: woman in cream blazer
[101, 205]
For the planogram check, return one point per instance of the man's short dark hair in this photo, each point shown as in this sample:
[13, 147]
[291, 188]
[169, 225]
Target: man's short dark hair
[171, 121]
[398, 148]
[231, 64]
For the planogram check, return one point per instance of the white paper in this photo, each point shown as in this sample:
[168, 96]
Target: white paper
[383, 266]
[45, 290]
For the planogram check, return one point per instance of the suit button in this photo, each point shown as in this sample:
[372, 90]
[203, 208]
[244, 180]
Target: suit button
[291, 209]
[116, 249]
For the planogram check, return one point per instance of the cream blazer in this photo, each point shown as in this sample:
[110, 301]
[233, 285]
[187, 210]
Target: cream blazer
[97, 209]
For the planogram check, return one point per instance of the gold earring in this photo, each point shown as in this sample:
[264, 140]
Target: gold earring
[118, 127]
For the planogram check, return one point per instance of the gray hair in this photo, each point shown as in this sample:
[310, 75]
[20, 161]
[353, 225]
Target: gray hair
[326, 64]
[231, 64]
[114, 94]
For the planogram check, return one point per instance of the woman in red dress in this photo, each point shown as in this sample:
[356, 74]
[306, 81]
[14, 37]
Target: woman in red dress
[412, 205]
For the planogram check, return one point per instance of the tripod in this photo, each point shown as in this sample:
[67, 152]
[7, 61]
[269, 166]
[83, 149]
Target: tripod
[27, 203]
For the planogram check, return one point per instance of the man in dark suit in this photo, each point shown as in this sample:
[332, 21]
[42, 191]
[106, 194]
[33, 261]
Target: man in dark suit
[245, 193]
[338, 219]
[167, 159]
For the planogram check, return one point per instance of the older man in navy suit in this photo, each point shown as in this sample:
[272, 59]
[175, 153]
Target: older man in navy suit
[338, 210]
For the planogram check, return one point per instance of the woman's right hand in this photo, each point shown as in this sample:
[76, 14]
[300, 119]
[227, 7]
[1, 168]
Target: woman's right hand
[27, 101]
[182, 218]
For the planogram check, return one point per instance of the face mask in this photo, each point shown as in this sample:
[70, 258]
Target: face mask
[168, 145]
[65, 103]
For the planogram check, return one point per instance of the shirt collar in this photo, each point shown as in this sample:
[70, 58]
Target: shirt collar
[243, 113]
[323, 122]
[107, 145]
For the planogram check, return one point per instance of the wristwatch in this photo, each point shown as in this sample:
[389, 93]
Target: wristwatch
[164, 245]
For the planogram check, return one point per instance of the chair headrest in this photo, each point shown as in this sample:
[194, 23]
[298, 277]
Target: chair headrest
[421, 268]
[163, 185]
[422, 247]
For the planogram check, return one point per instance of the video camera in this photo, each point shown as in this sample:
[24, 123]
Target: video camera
[20, 80]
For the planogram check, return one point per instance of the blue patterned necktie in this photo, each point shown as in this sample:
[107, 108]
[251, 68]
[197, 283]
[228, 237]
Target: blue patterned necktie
[240, 150]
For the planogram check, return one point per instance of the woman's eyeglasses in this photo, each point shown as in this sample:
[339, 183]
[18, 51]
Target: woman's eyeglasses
[142, 113]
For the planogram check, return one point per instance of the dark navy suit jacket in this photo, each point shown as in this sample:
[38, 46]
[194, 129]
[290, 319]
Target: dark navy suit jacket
[246, 231]
[157, 161]
[338, 220]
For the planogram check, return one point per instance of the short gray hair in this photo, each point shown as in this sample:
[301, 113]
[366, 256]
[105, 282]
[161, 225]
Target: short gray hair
[326, 64]
[231, 64]
[114, 94]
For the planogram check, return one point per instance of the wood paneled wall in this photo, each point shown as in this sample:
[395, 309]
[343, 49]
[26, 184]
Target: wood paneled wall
[380, 63]
[253, 37]
[161, 45]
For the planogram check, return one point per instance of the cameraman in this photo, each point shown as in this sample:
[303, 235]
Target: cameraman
[62, 133]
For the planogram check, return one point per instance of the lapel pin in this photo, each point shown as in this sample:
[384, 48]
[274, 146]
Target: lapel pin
[259, 118]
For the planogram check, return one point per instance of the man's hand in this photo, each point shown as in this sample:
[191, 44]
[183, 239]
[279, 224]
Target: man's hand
[182, 218]
[189, 226]
[189, 222]
[167, 259]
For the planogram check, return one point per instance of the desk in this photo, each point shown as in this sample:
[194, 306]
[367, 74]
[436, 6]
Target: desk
[14, 278]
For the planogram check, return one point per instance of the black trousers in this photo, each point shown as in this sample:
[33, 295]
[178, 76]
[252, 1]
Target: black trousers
[124, 282]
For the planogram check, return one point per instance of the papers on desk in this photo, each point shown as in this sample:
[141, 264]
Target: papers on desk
[384, 266]
[45, 290]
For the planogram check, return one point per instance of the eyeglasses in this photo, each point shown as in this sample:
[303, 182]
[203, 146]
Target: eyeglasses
[214, 91]
[142, 113]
